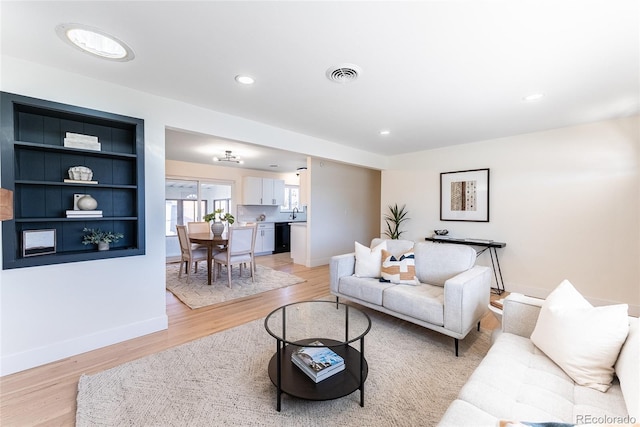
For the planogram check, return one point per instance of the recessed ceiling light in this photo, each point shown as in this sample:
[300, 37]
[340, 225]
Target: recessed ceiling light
[385, 132]
[245, 80]
[274, 166]
[533, 97]
[95, 41]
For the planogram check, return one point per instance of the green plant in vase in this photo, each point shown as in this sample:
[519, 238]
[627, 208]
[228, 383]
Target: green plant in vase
[96, 236]
[394, 220]
[218, 217]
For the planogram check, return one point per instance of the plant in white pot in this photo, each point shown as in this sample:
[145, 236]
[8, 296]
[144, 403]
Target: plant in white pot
[219, 218]
[95, 236]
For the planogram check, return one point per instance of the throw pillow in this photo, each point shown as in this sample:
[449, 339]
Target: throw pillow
[583, 340]
[368, 260]
[399, 270]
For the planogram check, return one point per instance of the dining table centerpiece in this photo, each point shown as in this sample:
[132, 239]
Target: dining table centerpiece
[219, 218]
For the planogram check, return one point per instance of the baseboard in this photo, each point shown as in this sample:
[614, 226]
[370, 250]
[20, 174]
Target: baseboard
[40, 356]
[634, 309]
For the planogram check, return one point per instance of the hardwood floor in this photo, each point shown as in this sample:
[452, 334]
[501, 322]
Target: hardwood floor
[46, 395]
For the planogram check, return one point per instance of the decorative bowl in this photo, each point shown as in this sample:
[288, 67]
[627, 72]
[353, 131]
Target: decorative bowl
[80, 173]
[441, 232]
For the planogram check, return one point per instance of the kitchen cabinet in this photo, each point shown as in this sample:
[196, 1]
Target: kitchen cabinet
[35, 163]
[263, 191]
[265, 239]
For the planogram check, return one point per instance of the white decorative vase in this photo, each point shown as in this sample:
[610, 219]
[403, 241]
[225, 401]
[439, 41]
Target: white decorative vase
[87, 203]
[217, 228]
[103, 246]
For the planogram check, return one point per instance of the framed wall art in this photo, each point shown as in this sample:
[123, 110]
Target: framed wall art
[38, 242]
[464, 195]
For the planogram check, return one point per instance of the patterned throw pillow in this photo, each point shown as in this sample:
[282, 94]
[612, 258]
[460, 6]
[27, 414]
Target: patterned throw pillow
[399, 270]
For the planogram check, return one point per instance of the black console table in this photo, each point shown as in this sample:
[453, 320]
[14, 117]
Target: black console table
[486, 244]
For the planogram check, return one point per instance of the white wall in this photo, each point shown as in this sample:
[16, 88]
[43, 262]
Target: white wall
[344, 207]
[52, 312]
[57, 311]
[565, 201]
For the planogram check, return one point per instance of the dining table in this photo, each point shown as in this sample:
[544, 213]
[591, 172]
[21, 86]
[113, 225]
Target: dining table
[210, 241]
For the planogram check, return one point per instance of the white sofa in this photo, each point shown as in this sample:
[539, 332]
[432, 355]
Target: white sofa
[517, 382]
[451, 298]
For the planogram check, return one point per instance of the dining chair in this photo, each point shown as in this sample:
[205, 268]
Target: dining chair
[188, 254]
[239, 250]
[198, 227]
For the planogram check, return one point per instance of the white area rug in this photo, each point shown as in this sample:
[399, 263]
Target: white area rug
[197, 293]
[222, 380]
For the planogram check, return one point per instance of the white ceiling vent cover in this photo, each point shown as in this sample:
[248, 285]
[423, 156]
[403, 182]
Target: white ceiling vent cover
[344, 73]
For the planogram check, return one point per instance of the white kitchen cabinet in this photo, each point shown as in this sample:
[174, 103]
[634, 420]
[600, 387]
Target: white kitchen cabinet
[263, 191]
[265, 239]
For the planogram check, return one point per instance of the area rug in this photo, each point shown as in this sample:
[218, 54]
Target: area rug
[197, 293]
[222, 380]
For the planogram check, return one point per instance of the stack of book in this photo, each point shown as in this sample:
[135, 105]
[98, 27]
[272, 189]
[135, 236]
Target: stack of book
[84, 214]
[318, 363]
[78, 140]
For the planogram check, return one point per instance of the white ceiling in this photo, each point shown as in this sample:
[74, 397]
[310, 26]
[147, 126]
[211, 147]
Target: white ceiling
[435, 73]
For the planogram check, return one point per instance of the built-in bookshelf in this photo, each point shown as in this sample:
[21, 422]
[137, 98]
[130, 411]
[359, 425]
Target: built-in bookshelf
[35, 164]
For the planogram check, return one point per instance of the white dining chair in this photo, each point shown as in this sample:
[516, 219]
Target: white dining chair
[239, 251]
[188, 254]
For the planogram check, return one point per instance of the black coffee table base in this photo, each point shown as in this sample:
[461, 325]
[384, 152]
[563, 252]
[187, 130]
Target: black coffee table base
[291, 380]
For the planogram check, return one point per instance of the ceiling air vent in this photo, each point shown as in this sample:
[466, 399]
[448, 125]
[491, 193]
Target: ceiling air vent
[344, 73]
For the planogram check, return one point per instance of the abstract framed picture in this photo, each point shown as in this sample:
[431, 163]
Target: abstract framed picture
[464, 195]
[38, 242]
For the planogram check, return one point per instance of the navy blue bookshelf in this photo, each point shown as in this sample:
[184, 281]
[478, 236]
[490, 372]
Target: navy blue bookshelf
[35, 164]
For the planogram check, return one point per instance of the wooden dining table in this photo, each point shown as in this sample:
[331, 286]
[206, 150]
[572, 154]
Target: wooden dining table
[210, 241]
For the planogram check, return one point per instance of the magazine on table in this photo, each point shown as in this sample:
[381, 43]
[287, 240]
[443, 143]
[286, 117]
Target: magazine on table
[318, 362]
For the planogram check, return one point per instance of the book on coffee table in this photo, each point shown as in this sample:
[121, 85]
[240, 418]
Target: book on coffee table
[318, 363]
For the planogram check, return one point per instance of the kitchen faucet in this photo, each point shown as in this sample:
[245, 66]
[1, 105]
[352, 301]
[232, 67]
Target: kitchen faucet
[293, 214]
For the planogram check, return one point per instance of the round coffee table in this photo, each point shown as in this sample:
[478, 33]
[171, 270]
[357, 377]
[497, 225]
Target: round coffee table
[336, 325]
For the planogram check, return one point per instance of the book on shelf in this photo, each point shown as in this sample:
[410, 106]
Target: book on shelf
[83, 214]
[87, 142]
[318, 363]
[82, 144]
[81, 137]
[79, 181]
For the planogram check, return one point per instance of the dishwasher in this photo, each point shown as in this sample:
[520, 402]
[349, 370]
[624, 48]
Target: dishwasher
[283, 237]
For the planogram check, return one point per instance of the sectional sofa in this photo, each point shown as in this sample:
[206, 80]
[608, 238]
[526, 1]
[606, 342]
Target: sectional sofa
[517, 382]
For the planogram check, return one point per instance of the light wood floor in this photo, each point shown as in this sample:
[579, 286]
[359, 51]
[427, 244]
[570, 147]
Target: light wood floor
[46, 395]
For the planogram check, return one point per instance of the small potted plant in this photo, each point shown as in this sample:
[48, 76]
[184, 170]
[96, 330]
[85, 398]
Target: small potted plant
[95, 236]
[219, 217]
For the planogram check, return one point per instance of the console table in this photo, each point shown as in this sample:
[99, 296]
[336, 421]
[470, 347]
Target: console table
[486, 244]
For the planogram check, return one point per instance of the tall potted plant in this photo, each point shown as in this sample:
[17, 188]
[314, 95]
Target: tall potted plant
[219, 218]
[394, 219]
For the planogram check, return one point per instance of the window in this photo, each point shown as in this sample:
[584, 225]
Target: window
[187, 201]
[291, 198]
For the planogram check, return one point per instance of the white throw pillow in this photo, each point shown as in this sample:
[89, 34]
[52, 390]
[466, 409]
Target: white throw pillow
[368, 261]
[583, 340]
